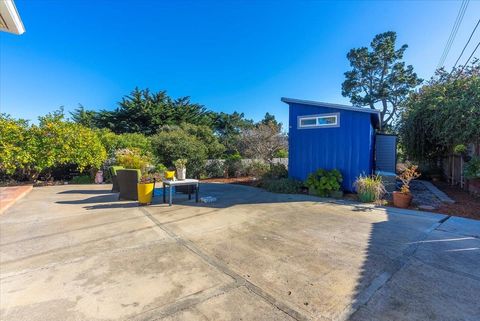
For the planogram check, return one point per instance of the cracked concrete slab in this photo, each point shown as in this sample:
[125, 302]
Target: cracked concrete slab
[75, 253]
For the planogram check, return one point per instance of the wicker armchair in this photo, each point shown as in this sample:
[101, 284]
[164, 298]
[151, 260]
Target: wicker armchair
[127, 182]
[113, 173]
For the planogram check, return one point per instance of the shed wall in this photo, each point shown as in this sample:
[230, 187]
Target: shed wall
[348, 148]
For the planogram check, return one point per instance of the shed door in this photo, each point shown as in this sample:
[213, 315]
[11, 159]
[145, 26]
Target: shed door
[386, 153]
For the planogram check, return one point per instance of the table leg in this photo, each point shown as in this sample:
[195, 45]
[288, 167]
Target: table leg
[196, 193]
[164, 193]
[170, 198]
[190, 191]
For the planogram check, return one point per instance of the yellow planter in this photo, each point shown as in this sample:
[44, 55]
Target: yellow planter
[169, 175]
[145, 193]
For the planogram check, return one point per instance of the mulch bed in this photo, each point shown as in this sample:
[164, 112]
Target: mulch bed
[466, 205]
[249, 181]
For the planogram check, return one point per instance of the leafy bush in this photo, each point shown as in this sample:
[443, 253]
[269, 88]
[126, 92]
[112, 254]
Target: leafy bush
[132, 159]
[276, 171]
[369, 188]
[53, 142]
[442, 114]
[460, 149]
[281, 153]
[215, 168]
[113, 142]
[234, 165]
[84, 179]
[323, 182]
[16, 145]
[170, 145]
[282, 185]
[472, 168]
[257, 169]
[160, 168]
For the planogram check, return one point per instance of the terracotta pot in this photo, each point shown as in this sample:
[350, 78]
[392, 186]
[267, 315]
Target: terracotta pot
[402, 200]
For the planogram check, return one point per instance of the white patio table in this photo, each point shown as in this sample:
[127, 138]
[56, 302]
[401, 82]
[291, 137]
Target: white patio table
[184, 182]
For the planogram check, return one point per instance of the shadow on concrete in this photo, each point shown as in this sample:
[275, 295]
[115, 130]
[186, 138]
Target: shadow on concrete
[105, 198]
[86, 191]
[410, 247]
[112, 205]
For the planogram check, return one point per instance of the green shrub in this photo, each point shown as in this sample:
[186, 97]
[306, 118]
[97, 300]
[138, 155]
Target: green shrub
[15, 145]
[234, 165]
[282, 185]
[323, 182]
[160, 168]
[215, 168]
[113, 142]
[132, 159]
[53, 142]
[83, 179]
[472, 168]
[276, 171]
[460, 149]
[170, 145]
[369, 188]
[282, 153]
[257, 169]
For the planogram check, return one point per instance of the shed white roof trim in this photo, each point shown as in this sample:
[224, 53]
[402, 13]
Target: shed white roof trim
[322, 104]
[9, 18]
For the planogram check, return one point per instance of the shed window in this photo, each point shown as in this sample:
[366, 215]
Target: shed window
[314, 121]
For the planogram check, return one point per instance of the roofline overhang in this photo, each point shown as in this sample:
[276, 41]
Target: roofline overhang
[11, 18]
[337, 106]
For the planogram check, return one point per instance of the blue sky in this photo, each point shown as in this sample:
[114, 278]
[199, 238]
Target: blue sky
[228, 55]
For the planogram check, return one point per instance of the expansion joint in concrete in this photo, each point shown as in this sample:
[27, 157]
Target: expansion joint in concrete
[239, 280]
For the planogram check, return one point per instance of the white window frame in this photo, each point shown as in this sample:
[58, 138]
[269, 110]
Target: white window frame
[317, 124]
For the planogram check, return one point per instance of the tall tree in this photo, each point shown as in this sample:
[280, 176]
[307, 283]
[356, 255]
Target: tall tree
[228, 128]
[264, 140]
[143, 111]
[379, 78]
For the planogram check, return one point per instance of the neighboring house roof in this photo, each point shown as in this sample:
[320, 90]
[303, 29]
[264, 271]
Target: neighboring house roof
[374, 112]
[9, 18]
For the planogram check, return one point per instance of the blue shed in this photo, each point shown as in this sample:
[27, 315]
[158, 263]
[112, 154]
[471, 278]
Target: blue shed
[331, 136]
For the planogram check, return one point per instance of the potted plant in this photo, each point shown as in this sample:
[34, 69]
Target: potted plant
[145, 188]
[181, 166]
[369, 188]
[403, 198]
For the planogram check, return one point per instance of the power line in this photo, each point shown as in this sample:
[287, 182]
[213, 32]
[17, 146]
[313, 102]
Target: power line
[453, 33]
[466, 63]
[470, 38]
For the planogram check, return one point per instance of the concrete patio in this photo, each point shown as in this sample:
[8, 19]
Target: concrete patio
[75, 253]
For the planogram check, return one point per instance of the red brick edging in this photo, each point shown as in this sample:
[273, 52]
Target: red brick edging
[9, 195]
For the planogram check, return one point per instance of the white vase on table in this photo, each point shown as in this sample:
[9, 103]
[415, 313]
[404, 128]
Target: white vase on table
[181, 173]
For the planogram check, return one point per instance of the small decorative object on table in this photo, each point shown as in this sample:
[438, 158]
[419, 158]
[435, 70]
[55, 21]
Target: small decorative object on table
[170, 175]
[181, 166]
[403, 198]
